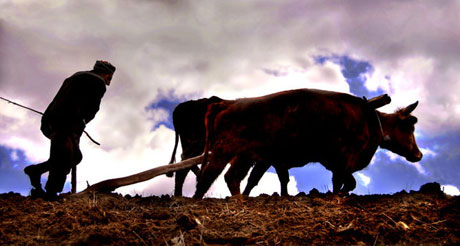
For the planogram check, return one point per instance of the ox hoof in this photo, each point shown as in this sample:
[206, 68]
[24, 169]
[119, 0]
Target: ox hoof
[37, 193]
[343, 193]
[285, 194]
[238, 198]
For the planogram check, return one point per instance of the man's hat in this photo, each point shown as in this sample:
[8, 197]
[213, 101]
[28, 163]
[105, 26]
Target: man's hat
[104, 67]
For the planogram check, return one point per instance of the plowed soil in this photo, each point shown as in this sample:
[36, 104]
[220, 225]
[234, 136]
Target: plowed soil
[427, 217]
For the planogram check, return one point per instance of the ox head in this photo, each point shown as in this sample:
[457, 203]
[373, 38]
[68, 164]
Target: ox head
[399, 128]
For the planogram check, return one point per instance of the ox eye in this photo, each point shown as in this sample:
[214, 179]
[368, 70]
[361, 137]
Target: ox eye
[408, 127]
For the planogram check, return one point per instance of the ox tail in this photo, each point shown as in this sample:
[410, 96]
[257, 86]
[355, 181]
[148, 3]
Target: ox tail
[173, 156]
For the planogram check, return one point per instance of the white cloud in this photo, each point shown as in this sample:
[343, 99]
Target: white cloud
[259, 83]
[363, 179]
[146, 151]
[393, 156]
[419, 78]
[14, 155]
[19, 129]
[450, 190]
[428, 153]
[270, 184]
[417, 165]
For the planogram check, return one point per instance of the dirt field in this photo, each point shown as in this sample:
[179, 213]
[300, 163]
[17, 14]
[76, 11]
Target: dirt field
[111, 219]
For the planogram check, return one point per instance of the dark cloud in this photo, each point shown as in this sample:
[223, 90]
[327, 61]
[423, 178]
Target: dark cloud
[274, 72]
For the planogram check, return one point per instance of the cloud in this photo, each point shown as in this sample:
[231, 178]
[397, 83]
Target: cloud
[363, 179]
[270, 184]
[146, 151]
[14, 156]
[397, 158]
[289, 76]
[413, 79]
[355, 72]
[428, 153]
[450, 190]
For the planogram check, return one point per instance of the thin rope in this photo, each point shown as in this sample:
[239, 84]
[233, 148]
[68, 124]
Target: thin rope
[22, 106]
[38, 112]
[385, 137]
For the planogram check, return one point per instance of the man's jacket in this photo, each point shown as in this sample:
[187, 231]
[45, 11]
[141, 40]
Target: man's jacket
[75, 104]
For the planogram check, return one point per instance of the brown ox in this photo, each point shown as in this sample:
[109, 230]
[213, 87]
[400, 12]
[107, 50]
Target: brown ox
[292, 128]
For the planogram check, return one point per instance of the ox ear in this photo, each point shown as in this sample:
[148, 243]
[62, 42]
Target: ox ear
[409, 109]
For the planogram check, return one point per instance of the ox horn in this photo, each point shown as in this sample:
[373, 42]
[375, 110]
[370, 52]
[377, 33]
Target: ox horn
[409, 108]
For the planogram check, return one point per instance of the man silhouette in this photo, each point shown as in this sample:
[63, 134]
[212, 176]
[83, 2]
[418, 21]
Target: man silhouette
[75, 105]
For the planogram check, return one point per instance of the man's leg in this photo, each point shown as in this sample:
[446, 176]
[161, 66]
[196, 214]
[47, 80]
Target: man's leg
[64, 155]
[35, 172]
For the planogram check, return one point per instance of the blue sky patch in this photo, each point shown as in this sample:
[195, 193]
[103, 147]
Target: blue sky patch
[166, 101]
[355, 73]
[12, 163]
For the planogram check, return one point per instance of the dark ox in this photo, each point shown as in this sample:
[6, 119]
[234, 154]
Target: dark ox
[292, 128]
[188, 121]
[189, 124]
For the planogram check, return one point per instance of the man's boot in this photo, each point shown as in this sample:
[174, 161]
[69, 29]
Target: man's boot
[51, 196]
[34, 176]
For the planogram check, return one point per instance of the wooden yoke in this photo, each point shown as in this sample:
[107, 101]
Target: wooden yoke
[112, 184]
[379, 101]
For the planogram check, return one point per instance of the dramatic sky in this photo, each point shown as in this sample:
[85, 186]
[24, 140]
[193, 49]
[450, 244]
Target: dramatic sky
[167, 52]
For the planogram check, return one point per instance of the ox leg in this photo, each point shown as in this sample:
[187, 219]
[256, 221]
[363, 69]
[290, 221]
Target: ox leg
[196, 170]
[179, 181]
[350, 183]
[236, 173]
[208, 174]
[283, 175]
[256, 174]
[343, 182]
[337, 181]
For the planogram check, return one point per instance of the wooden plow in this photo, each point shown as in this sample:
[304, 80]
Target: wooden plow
[112, 184]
